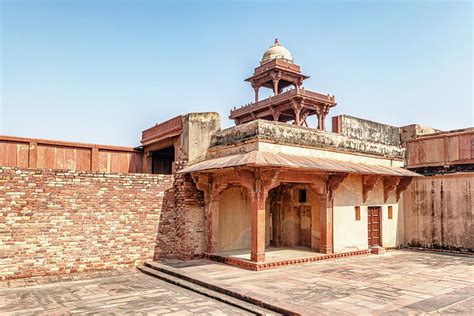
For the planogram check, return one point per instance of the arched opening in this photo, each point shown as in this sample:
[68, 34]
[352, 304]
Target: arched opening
[293, 217]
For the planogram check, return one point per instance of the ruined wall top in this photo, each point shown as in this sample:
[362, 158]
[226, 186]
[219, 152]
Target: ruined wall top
[281, 133]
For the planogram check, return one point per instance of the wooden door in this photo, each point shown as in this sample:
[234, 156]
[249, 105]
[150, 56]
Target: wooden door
[305, 226]
[374, 225]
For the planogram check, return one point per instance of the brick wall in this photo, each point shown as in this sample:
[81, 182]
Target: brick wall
[191, 221]
[56, 222]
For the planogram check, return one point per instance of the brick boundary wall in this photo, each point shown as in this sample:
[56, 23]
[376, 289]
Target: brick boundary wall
[57, 222]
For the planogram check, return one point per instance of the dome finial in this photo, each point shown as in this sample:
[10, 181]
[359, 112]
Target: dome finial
[277, 42]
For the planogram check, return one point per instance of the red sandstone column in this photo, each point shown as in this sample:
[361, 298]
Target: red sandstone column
[323, 123]
[258, 227]
[326, 223]
[256, 94]
[213, 224]
[320, 124]
[275, 86]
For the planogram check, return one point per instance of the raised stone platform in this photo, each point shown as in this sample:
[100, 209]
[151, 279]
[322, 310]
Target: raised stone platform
[276, 257]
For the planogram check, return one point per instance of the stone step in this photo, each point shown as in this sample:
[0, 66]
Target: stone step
[248, 307]
[265, 306]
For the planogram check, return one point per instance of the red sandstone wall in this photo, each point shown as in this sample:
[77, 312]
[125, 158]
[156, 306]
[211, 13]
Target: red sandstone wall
[438, 212]
[54, 222]
[47, 154]
[455, 147]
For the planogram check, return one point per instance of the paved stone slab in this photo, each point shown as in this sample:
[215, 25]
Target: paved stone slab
[124, 294]
[398, 283]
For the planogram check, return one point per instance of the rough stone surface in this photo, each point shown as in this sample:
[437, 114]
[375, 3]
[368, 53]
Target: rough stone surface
[282, 133]
[57, 222]
[365, 130]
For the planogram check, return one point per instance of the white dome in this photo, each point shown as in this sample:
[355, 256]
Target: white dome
[276, 51]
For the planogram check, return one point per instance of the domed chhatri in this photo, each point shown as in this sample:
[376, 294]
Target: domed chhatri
[276, 51]
[290, 101]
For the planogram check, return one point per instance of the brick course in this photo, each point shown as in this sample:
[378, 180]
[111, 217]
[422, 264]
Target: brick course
[56, 222]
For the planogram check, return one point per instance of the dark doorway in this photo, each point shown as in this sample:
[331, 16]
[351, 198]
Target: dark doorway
[374, 226]
[163, 161]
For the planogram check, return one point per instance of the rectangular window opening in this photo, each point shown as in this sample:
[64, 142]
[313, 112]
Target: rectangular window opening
[302, 196]
[390, 212]
[357, 213]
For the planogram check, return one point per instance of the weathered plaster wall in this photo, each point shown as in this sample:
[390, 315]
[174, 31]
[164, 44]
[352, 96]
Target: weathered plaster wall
[58, 222]
[365, 130]
[438, 211]
[197, 131]
[351, 234]
[234, 220]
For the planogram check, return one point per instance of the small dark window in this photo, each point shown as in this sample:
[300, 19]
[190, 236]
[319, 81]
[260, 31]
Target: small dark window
[163, 161]
[302, 196]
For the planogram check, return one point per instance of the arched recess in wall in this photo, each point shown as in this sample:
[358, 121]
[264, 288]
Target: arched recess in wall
[234, 219]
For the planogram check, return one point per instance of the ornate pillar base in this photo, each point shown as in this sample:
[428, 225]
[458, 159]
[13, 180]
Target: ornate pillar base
[327, 249]
[257, 256]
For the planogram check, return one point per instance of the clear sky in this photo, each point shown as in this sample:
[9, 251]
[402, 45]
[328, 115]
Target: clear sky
[102, 71]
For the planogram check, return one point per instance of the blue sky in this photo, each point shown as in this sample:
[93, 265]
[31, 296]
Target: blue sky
[102, 71]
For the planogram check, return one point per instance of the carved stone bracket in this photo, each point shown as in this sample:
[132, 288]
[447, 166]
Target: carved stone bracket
[402, 186]
[368, 184]
[389, 184]
[334, 181]
[297, 105]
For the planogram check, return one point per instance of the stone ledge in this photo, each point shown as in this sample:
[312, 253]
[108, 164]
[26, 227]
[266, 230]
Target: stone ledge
[287, 134]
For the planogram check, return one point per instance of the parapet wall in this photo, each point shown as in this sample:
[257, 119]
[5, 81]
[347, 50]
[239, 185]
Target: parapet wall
[57, 222]
[438, 212]
[283, 133]
[365, 130]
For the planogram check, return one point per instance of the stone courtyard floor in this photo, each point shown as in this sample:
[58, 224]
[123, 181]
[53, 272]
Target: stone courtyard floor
[398, 282]
[130, 293]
